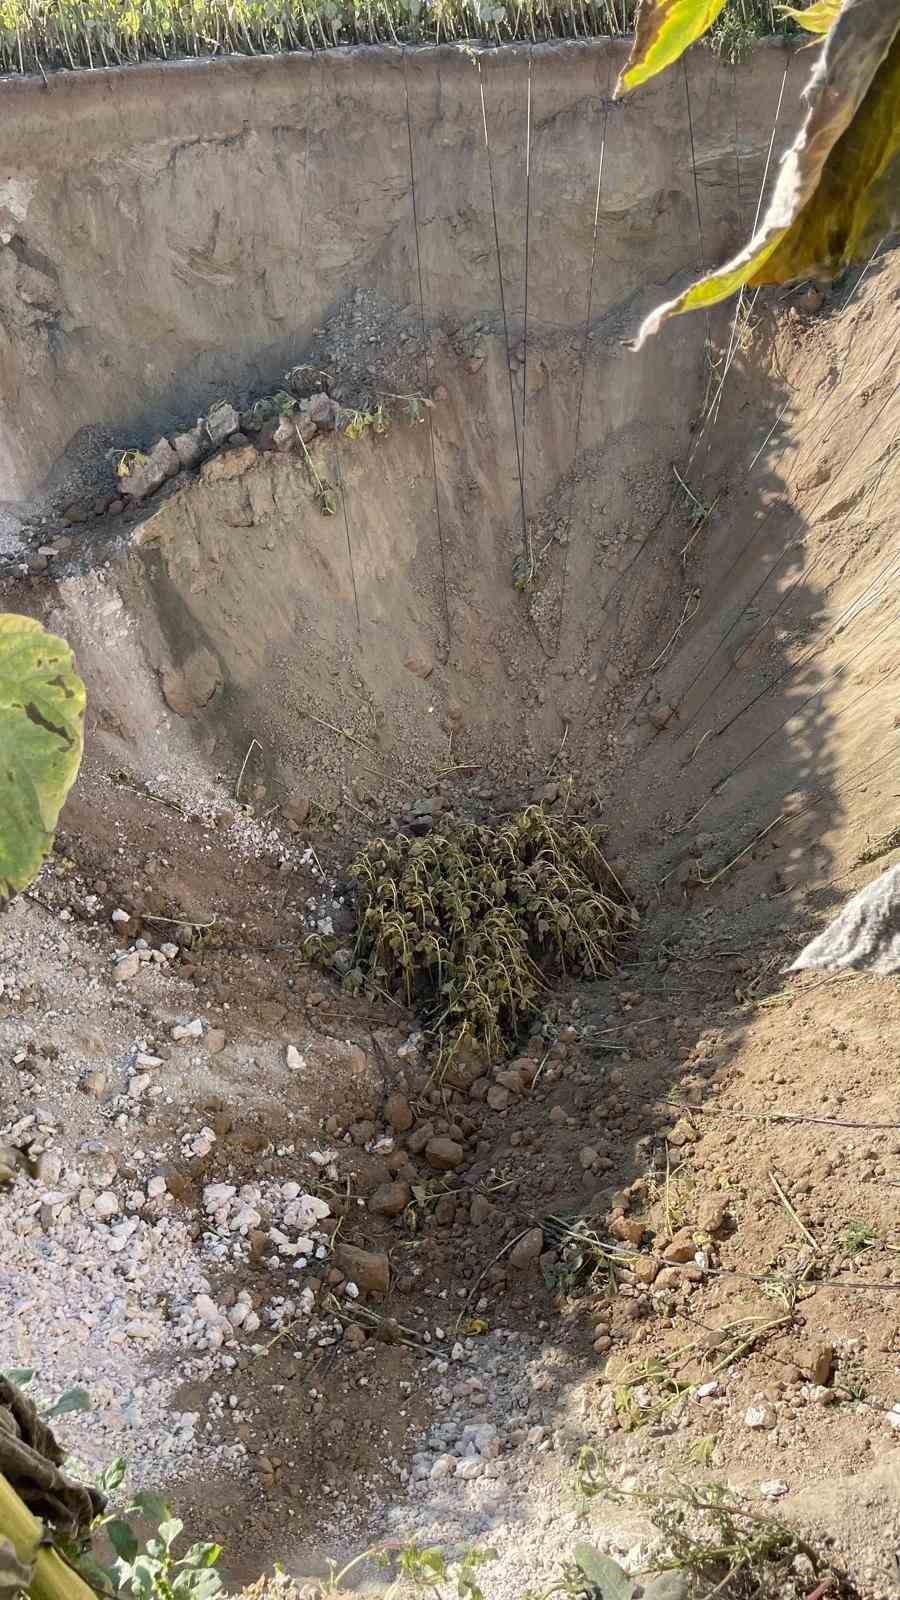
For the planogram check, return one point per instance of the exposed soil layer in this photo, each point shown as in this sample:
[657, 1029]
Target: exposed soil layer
[710, 672]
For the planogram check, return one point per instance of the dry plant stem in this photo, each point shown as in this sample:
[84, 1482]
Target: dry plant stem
[52, 1579]
[253, 745]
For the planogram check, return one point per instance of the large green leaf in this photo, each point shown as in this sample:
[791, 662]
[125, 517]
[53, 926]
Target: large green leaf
[839, 188]
[663, 29]
[41, 723]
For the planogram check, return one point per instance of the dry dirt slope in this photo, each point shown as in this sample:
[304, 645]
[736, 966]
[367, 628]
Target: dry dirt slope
[789, 1312]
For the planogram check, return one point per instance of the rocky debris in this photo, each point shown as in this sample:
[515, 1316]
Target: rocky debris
[190, 687]
[147, 473]
[190, 447]
[184, 1031]
[390, 1199]
[322, 410]
[760, 1415]
[443, 1153]
[368, 1269]
[293, 430]
[681, 1248]
[818, 1361]
[398, 1113]
[229, 464]
[127, 967]
[293, 1059]
[629, 1229]
[712, 1211]
[527, 1249]
[221, 422]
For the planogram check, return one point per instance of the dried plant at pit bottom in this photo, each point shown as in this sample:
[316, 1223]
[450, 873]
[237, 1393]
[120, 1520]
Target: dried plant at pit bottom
[466, 926]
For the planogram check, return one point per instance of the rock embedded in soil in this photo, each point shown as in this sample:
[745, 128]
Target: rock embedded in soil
[711, 1212]
[628, 1229]
[229, 464]
[390, 1199]
[444, 1154]
[818, 1361]
[398, 1113]
[527, 1249]
[222, 421]
[760, 1415]
[148, 475]
[368, 1269]
[189, 446]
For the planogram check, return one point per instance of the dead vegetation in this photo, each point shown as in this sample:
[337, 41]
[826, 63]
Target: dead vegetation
[466, 926]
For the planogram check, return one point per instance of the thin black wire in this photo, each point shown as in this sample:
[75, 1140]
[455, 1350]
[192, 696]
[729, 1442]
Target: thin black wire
[805, 517]
[588, 311]
[425, 361]
[737, 148]
[815, 650]
[700, 239]
[525, 275]
[340, 479]
[512, 397]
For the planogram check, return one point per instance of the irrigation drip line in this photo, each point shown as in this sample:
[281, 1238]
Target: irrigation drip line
[805, 517]
[863, 600]
[584, 349]
[778, 1116]
[738, 173]
[426, 364]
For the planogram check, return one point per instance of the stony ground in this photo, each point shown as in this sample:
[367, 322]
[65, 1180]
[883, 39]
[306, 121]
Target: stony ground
[324, 1294]
[322, 1298]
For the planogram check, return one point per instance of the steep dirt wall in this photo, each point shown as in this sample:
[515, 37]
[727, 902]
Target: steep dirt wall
[171, 232]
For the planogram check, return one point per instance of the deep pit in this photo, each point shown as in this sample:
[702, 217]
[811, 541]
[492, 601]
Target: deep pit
[648, 592]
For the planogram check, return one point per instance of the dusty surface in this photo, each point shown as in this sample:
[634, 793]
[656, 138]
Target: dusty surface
[727, 1135]
[179, 232]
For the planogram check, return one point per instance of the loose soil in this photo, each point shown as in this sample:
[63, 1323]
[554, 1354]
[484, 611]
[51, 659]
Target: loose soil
[730, 1131]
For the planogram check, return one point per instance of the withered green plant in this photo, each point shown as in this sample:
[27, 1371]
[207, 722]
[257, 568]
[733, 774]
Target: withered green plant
[467, 926]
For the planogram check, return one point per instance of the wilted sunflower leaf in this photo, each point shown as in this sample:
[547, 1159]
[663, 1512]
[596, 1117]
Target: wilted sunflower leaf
[816, 18]
[663, 30]
[839, 188]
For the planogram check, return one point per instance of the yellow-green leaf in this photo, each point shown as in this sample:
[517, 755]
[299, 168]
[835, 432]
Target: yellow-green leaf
[816, 18]
[41, 724]
[663, 29]
[839, 188]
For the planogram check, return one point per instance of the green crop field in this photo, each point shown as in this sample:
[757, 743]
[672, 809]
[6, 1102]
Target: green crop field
[46, 35]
